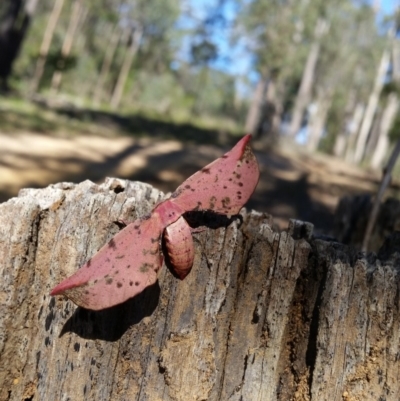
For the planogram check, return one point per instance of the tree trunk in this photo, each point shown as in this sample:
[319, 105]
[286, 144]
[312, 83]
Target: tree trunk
[342, 137]
[371, 107]
[388, 116]
[45, 47]
[317, 120]
[378, 198]
[76, 16]
[126, 66]
[262, 315]
[269, 121]
[13, 29]
[254, 112]
[396, 60]
[353, 129]
[304, 94]
[106, 66]
[373, 133]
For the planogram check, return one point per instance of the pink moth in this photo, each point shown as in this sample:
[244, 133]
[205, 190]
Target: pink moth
[130, 261]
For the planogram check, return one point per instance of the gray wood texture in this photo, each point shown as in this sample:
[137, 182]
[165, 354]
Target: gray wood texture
[262, 316]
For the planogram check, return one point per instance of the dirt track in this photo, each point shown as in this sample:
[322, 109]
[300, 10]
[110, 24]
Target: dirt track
[292, 185]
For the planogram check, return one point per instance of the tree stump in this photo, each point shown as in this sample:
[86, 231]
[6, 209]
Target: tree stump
[351, 220]
[262, 316]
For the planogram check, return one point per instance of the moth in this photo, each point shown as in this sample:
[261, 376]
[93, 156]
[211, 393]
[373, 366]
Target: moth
[130, 261]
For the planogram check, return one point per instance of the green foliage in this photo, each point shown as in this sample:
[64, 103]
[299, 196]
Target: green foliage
[394, 133]
[203, 53]
[277, 34]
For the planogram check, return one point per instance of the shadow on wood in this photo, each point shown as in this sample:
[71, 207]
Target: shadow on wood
[110, 324]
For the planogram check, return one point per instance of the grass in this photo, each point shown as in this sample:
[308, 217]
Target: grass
[63, 117]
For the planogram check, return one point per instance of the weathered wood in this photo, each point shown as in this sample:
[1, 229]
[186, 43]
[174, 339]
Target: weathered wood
[262, 316]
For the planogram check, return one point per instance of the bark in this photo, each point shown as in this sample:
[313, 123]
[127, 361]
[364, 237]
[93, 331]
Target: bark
[374, 133]
[341, 140]
[318, 120]
[13, 30]
[254, 112]
[126, 66]
[371, 107]
[388, 117]
[304, 94]
[76, 17]
[262, 316]
[106, 66]
[45, 46]
[353, 129]
[269, 123]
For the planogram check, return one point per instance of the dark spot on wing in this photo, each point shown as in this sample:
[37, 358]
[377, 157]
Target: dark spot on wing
[145, 267]
[89, 262]
[240, 184]
[136, 227]
[187, 186]
[109, 281]
[112, 243]
[224, 157]
[137, 283]
[119, 284]
[238, 175]
[226, 201]
[108, 260]
[128, 266]
[131, 283]
[205, 170]
[225, 187]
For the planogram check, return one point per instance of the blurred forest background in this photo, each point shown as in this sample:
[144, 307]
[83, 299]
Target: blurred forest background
[154, 90]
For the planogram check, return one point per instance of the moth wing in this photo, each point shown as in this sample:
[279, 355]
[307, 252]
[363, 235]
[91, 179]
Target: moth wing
[121, 269]
[224, 185]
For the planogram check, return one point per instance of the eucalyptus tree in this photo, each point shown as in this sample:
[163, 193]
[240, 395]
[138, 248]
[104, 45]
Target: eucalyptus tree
[15, 19]
[345, 68]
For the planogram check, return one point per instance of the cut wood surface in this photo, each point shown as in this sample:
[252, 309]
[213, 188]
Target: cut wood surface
[262, 316]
